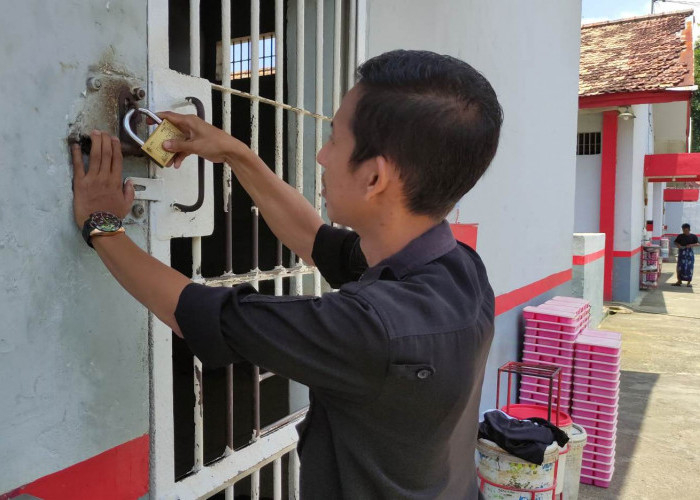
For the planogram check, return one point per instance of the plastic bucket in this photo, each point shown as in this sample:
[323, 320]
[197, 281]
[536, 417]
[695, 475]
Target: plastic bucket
[505, 477]
[523, 411]
[577, 441]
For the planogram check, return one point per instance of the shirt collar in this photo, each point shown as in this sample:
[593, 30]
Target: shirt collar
[431, 245]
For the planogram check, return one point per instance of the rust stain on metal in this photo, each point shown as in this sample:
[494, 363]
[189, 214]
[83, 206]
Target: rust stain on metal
[200, 395]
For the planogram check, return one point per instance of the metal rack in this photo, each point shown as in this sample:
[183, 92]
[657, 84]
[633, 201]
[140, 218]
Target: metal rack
[552, 373]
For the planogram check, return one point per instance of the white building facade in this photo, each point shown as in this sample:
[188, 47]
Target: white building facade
[99, 396]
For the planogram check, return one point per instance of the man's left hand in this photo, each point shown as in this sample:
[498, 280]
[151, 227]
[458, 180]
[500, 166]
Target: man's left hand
[100, 188]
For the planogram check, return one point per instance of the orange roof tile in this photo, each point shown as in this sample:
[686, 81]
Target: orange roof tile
[638, 54]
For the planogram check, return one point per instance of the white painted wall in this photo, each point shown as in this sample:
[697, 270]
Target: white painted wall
[587, 194]
[632, 146]
[73, 344]
[679, 213]
[587, 208]
[534, 169]
[670, 123]
[524, 204]
[658, 208]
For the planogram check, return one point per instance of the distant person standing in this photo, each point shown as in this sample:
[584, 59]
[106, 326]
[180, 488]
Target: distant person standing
[686, 258]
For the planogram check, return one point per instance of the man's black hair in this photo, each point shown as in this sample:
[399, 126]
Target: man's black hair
[686, 226]
[437, 118]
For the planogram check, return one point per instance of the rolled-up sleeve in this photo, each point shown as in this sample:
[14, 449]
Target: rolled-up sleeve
[338, 256]
[336, 342]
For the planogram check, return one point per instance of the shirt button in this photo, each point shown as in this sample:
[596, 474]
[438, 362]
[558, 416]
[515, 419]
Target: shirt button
[424, 373]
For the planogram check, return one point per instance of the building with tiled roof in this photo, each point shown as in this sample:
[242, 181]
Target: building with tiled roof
[641, 54]
[636, 80]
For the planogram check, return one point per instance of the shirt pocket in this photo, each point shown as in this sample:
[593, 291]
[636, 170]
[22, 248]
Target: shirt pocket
[412, 371]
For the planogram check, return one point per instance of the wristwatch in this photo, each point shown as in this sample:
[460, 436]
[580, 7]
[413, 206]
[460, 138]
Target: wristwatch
[101, 224]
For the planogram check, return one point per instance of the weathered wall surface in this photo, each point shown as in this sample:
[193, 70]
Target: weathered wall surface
[589, 264]
[73, 345]
[524, 204]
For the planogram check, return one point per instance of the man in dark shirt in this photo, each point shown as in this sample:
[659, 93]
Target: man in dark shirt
[686, 255]
[395, 358]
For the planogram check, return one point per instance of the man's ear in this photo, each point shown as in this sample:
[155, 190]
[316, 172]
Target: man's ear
[380, 174]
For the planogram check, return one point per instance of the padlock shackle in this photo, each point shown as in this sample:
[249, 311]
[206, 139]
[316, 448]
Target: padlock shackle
[127, 122]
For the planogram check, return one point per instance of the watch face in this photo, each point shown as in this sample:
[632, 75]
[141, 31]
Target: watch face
[105, 221]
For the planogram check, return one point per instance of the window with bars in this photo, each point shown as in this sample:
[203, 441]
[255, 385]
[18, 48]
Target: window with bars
[588, 143]
[244, 437]
[241, 56]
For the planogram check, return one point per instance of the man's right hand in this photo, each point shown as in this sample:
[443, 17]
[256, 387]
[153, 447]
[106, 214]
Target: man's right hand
[201, 139]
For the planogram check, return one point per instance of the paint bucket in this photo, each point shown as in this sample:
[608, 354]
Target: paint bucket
[503, 476]
[523, 411]
[577, 440]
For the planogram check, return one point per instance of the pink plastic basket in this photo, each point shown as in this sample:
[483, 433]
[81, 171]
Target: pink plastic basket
[596, 356]
[543, 389]
[609, 380]
[602, 345]
[598, 374]
[577, 404]
[546, 349]
[597, 365]
[602, 334]
[598, 451]
[543, 399]
[550, 333]
[594, 415]
[610, 442]
[608, 428]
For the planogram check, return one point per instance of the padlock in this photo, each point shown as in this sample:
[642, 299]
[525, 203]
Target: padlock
[153, 146]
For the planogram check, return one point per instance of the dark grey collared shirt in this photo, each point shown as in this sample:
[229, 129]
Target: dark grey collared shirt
[394, 359]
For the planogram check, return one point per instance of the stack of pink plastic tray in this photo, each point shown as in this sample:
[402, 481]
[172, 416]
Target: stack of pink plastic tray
[550, 332]
[596, 395]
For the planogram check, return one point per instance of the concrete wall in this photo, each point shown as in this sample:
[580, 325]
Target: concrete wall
[670, 127]
[587, 211]
[633, 143]
[658, 207]
[679, 213]
[521, 238]
[588, 274]
[73, 344]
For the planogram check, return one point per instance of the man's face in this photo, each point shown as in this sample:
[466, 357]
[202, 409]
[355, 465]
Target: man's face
[342, 186]
[686, 230]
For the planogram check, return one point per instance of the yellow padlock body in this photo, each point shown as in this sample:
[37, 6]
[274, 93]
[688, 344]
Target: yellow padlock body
[154, 144]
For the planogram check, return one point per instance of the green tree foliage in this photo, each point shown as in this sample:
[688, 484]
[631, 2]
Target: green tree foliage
[695, 104]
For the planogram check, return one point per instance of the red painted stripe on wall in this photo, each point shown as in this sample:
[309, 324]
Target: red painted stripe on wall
[607, 195]
[116, 474]
[511, 300]
[122, 472]
[582, 260]
[627, 253]
[466, 233]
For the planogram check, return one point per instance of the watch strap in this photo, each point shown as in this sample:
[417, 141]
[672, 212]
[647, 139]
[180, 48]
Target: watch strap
[87, 229]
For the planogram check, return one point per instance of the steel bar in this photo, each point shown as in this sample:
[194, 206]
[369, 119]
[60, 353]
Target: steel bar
[225, 87]
[277, 479]
[299, 156]
[337, 41]
[319, 123]
[237, 279]
[228, 245]
[352, 43]
[279, 117]
[264, 100]
[196, 262]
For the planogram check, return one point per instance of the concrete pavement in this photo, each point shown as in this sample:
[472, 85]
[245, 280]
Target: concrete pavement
[658, 441]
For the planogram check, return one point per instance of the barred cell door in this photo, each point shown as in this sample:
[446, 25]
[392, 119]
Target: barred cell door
[272, 73]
